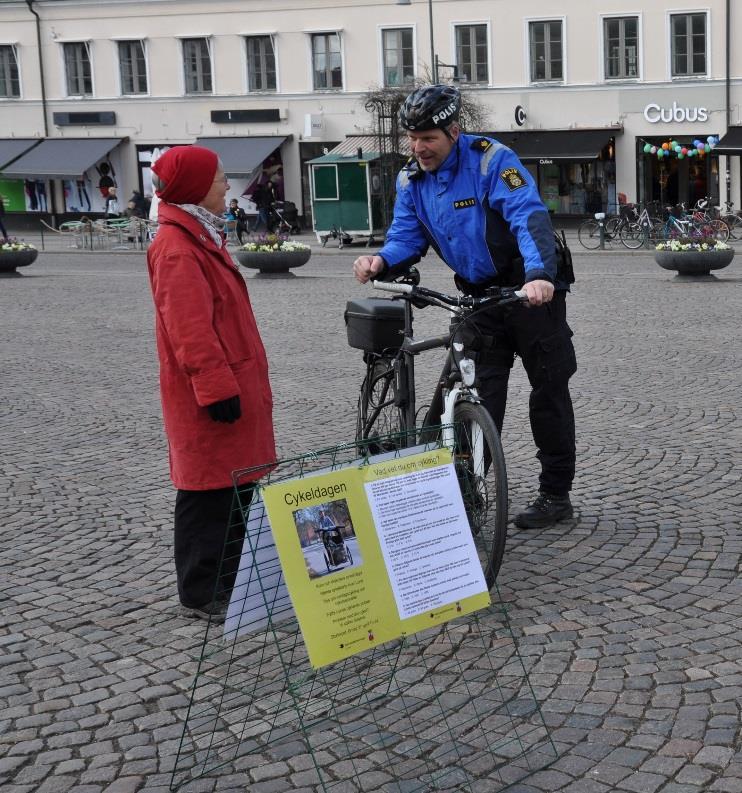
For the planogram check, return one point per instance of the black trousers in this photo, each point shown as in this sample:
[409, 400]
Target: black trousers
[209, 531]
[542, 339]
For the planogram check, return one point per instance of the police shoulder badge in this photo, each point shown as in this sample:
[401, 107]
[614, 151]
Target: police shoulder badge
[513, 179]
[481, 144]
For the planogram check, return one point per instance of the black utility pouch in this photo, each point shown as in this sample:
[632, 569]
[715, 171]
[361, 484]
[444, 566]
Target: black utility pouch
[565, 271]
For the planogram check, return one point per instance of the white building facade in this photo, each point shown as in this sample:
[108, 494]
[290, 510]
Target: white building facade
[586, 94]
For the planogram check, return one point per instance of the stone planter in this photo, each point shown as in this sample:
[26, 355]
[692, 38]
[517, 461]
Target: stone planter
[693, 262]
[273, 263]
[10, 260]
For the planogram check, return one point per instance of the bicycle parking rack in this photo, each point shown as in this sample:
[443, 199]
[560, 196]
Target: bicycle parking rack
[451, 708]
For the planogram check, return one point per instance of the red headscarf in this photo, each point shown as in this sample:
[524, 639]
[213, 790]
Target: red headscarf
[188, 173]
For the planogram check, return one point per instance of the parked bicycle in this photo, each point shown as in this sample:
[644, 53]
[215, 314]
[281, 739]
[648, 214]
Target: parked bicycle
[694, 225]
[631, 227]
[387, 409]
[725, 214]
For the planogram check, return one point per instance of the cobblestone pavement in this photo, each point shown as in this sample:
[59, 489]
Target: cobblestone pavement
[628, 616]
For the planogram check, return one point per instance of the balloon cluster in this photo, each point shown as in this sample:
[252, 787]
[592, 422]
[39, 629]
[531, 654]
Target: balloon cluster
[674, 149]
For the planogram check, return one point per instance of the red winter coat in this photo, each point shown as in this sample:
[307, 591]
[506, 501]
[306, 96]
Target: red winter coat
[209, 349]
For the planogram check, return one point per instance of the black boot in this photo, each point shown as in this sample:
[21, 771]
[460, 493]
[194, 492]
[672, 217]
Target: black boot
[545, 510]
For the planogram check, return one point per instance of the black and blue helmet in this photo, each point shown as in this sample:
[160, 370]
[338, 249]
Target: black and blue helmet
[430, 107]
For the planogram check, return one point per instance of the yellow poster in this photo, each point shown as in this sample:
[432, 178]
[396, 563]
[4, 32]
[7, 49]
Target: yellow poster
[375, 552]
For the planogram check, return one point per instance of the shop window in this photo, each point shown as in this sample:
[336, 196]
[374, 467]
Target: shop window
[133, 67]
[325, 182]
[10, 84]
[545, 39]
[327, 67]
[688, 32]
[471, 53]
[398, 57]
[197, 66]
[77, 68]
[621, 45]
[261, 63]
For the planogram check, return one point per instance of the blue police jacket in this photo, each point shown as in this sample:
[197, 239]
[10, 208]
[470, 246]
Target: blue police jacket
[480, 211]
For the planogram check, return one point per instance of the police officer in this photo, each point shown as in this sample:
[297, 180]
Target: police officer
[471, 199]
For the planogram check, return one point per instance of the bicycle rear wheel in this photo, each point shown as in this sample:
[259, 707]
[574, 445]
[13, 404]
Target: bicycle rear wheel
[480, 468]
[379, 421]
[588, 234]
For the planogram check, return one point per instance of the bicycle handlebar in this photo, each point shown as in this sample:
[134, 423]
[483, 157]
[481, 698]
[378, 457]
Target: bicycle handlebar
[500, 295]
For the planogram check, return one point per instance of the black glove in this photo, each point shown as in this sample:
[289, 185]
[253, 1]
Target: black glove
[228, 410]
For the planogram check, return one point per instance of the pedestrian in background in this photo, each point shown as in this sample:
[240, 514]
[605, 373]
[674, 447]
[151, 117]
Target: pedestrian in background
[216, 397]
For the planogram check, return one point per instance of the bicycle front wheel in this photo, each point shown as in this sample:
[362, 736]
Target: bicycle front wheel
[480, 469]
[379, 421]
[734, 224]
[719, 230]
[633, 236]
[588, 234]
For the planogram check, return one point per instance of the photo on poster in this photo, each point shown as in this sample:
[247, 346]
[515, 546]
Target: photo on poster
[327, 538]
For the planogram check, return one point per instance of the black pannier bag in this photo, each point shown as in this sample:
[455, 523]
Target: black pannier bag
[374, 324]
[565, 271]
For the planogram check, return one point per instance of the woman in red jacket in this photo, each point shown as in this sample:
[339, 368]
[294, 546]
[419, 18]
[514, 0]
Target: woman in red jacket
[216, 397]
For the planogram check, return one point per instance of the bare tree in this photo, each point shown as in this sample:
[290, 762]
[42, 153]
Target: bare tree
[383, 103]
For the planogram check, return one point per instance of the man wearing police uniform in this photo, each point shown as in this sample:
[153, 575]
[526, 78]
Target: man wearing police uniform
[471, 199]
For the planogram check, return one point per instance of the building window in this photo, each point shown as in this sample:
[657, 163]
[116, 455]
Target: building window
[10, 84]
[399, 68]
[621, 41]
[261, 63]
[77, 69]
[546, 51]
[471, 53]
[688, 44]
[327, 67]
[133, 67]
[325, 182]
[197, 66]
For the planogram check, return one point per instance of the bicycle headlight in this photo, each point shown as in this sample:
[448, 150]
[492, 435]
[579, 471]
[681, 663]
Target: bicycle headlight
[467, 369]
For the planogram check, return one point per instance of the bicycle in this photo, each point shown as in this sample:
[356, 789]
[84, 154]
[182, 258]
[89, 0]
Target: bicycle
[727, 216]
[632, 229]
[695, 225]
[387, 415]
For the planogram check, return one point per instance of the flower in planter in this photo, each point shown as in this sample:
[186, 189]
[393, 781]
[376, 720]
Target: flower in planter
[12, 244]
[269, 243]
[691, 244]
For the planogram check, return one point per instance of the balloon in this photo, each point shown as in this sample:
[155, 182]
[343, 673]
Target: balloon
[647, 148]
[683, 151]
[707, 148]
[710, 139]
[660, 154]
[681, 155]
[699, 146]
[653, 150]
[665, 146]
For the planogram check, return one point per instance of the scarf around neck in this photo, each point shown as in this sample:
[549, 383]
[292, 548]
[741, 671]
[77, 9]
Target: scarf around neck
[211, 222]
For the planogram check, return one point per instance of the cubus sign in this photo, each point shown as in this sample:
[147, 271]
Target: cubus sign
[654, 113]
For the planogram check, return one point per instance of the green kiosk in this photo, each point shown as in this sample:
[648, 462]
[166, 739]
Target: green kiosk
[347, 195]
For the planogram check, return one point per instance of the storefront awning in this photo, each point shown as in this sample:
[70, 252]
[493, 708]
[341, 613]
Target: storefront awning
[731, 143]
[60, 158]
[12, 148]
[241, 156]
[573, 145]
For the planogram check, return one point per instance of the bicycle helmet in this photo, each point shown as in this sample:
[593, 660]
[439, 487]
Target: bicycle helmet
[430, 107]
